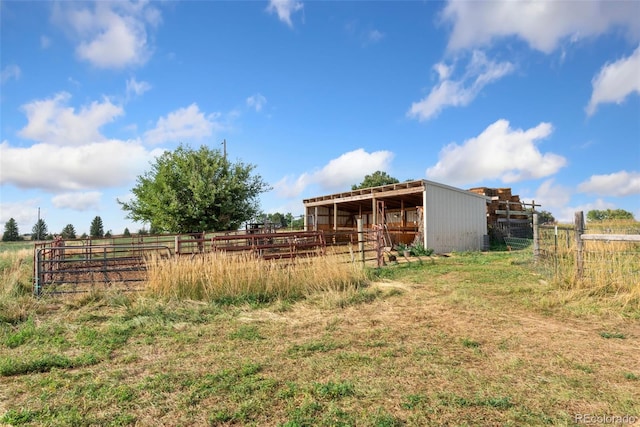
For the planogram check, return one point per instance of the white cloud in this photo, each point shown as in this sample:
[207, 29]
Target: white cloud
[78, 201]
[284, 9]
[136, 88]
[618, 184]
[290, 187]
[340, 173]
[45, 42]
[11, 71]
[443, 70]
[553, 197]
[499, 152]
[542, 24]
[53, 168]
[183, 124]
[479, 72]
[373, 36]
[109, 34]
[616, 81]
[256, 101]
[51, 121]
[25, 212]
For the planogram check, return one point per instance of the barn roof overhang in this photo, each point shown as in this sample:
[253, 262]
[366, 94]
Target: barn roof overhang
[395, 196]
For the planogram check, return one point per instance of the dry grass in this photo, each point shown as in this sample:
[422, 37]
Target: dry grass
[16, 271]
[466, 340]
[611, 269]
[221, 277]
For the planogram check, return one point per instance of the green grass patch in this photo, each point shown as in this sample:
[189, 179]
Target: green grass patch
[44, 363]
[609, 335]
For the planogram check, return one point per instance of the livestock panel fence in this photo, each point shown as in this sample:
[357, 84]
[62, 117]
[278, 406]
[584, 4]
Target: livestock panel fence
[593, 255]
[77, 266]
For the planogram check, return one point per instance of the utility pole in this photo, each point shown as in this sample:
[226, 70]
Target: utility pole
[38, 224]
[224, 143]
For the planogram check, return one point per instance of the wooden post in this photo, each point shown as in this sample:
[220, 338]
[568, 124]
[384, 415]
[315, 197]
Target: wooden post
[579, 226]
[360, 239]
[379, 244]
[508, 221]
[536, 238]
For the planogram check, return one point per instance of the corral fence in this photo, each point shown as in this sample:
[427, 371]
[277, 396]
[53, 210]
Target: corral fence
[78, 266]
[63, 269]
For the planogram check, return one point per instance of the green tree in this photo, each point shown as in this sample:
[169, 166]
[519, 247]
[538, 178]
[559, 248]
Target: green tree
[126, 232]
[68, 232]
[188, 191]
[545, 217]
[11, 233]
[96, 229]
[374, 180]
[609, 214]
[108, 234]
[39, 230]
[278, 219]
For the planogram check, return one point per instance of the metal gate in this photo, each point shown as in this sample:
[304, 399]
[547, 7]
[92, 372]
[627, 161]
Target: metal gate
[77, 269]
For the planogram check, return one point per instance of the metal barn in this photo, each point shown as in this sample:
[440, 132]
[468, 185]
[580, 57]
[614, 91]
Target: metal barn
[444, 218]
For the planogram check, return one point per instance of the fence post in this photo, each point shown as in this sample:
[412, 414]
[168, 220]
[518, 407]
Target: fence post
[579, 226]
[360, 239]
[536, 238]
[379, 245]
[37, 289]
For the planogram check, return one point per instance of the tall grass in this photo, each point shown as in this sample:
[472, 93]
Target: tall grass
[16, 272]
[228, 278]
[611, 269]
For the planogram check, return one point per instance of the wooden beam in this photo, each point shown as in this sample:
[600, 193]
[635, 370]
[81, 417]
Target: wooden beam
[380, 194]
[612, 237]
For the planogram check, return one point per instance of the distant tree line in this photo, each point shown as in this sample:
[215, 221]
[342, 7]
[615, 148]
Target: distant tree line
[40, 231]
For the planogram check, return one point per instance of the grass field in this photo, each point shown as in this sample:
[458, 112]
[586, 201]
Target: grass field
[470, 339]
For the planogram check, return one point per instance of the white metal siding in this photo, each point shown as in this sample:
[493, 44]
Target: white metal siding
[455, 220]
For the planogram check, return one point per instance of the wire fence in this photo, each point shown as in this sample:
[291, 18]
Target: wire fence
[582, 256]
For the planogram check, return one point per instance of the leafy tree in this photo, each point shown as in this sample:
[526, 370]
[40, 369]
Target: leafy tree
[297, 223]
[39, 230]
[126, 232]
[609, 214]
[374, 180]
[11, 233]
[278, 219]
[545, 217]
[108, 234]
[188, 191]
[68, 232]
[84, 236]
[96, 229]
[143, 232]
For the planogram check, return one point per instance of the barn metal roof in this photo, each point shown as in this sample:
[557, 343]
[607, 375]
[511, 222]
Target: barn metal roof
[394, 195]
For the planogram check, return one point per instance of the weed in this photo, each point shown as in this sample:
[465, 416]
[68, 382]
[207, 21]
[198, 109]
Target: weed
[631, 376]
[469, 343]
[609, 335]
[332, 391]
[413, 401]
[246, 332]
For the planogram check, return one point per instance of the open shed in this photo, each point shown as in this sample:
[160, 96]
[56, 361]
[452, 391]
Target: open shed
[444, 218]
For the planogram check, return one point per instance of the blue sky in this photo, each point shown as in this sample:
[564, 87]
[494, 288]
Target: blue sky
[542, 97]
